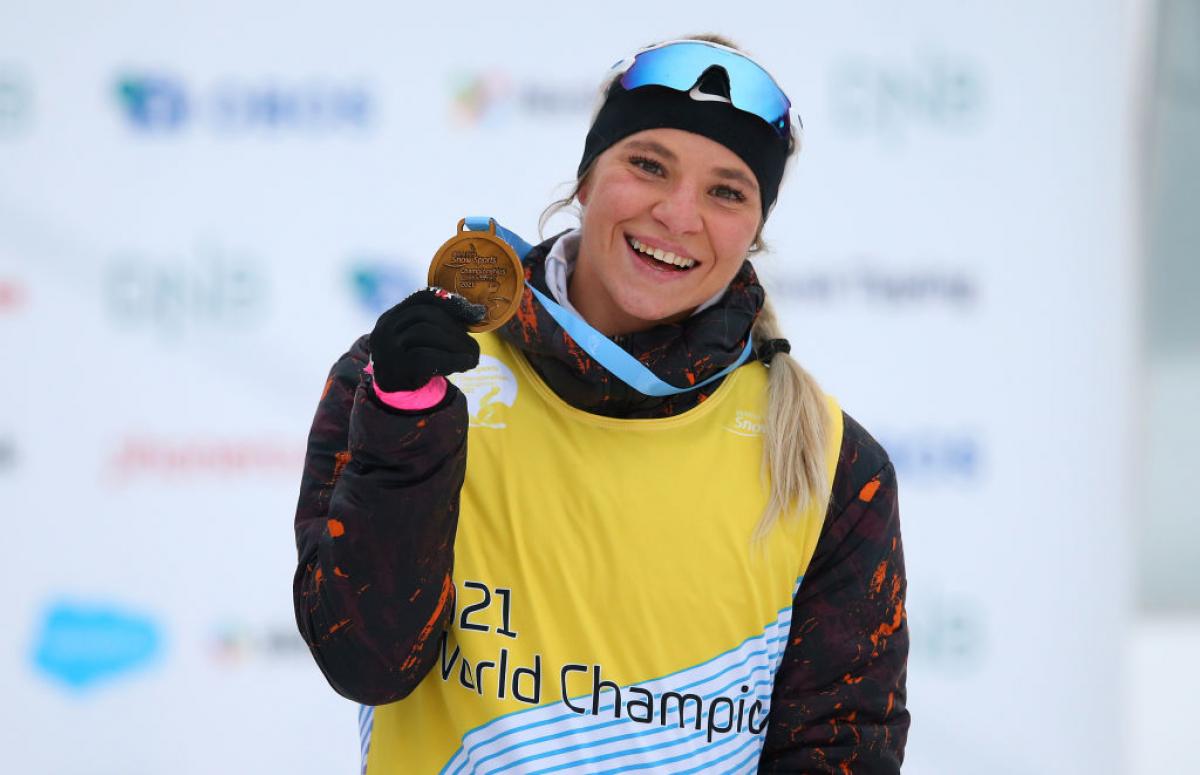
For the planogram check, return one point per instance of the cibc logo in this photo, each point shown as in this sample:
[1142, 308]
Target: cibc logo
[890, 99]
[212, 288]
[161, 103]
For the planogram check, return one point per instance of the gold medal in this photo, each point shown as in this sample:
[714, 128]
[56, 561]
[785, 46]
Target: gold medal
[483, 268]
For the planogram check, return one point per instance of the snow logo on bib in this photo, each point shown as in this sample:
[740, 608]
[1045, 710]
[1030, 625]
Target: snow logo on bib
[749, 424]
[488, 387]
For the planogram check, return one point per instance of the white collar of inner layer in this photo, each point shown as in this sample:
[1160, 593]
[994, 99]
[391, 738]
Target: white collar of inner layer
[561, 262]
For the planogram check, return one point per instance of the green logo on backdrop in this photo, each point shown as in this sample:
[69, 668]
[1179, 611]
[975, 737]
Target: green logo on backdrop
[16, 101]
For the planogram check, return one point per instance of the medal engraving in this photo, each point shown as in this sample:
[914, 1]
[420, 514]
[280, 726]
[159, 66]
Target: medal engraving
[483, 268]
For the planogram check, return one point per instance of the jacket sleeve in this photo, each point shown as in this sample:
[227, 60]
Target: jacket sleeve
[838, 704]
[375, 526]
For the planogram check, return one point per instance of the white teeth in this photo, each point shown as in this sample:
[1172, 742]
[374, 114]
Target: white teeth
[666, 256]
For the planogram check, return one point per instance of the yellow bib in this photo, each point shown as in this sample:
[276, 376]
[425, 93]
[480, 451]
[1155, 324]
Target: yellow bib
[612, 612]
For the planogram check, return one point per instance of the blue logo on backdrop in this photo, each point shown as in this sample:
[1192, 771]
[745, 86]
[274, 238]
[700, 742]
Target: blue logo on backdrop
[159, 103]
[81, 645]
[935, 457]
[379, 284]
[153, 103]
[308, 107]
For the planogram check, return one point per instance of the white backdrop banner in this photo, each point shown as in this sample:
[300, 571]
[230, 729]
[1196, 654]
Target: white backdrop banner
[202, 206]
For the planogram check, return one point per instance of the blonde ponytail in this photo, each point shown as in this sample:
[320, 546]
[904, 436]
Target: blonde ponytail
[797, 431]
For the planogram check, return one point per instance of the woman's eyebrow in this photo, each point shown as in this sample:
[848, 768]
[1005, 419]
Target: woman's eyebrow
[650, 145]
[729, 173]
[726, 173]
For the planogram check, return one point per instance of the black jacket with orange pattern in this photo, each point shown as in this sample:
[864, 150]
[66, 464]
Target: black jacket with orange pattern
[384, 483]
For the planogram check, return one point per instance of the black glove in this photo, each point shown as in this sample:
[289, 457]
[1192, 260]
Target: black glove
[423, 336]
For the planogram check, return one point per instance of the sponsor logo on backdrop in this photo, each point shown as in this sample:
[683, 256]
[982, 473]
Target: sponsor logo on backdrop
[202, 459]
[162, 104]
[212, 288]
[892, 99]
[948, 632]
[379, 282]
[16, 102]
[12, 295]
[865, 280]
[81, 645]
[153, 103]
[235, 643]
[8, 454]
[935, 457]
[494, 97]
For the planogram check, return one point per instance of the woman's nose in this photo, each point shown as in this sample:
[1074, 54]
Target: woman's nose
[678, 211]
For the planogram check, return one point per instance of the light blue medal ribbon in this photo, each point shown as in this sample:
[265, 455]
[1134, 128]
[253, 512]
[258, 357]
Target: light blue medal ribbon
[607, 353]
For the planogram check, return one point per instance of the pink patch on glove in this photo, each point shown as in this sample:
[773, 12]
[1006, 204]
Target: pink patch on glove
[428, 395]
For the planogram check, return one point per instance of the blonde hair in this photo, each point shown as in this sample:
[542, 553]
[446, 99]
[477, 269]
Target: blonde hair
[798, 423]
[797, 432]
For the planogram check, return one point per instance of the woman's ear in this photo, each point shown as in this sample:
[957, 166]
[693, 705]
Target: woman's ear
[585, 190]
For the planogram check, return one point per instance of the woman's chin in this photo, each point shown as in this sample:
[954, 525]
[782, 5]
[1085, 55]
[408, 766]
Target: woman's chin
[647, 314]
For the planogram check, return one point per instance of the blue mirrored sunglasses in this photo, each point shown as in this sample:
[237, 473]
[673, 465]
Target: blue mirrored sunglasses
[679, 64]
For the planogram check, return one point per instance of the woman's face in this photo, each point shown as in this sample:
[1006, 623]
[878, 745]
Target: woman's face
[661, 191]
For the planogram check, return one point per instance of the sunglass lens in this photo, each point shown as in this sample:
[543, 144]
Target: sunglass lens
[679, 65]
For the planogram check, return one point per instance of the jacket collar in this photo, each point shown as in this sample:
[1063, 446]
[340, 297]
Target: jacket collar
[680, 353]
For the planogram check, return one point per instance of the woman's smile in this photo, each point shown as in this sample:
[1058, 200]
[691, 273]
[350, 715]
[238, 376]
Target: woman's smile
[659, 256]
[658, 259]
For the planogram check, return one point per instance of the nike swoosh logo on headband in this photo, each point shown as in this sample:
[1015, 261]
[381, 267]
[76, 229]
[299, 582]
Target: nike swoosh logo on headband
[701, 96]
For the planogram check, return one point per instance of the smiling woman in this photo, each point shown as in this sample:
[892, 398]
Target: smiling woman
[668, 219]
[697, 569]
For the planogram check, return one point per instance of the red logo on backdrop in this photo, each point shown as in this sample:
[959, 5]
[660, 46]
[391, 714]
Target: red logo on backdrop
[12, 295]
[141, 458]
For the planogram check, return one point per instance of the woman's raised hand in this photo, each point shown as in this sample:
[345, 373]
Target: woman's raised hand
[422, 337]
